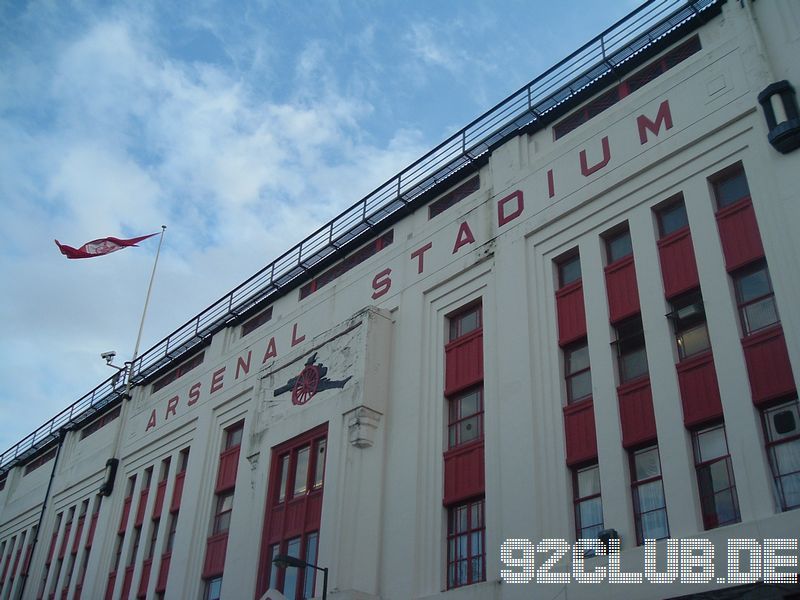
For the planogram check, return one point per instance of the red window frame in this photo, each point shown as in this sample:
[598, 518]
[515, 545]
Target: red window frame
[460, 324]
[704, 468]
[721, 181]
[466, 543]
[772, 453]
[570, 375]
[743, 305]
[583, 530]
[638, 483]
[456, 417]
[564, 264]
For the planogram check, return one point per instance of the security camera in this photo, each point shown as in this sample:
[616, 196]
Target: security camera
[108, 356]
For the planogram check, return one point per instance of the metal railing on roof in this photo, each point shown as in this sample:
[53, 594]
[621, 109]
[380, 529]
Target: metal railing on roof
[596, 60]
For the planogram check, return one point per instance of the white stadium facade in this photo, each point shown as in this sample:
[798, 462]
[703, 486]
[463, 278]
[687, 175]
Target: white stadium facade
[577, 318]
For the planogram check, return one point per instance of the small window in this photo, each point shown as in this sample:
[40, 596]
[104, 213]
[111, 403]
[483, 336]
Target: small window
[649, 505]
[631, 352]
[577, 373]
[319, 463]
[179, 372]
[173, 526]
[301, 472]
[213, 589]
[284, 471]
[233, 435]
[256, 322]
[466, 539]
[222, 514]
[730, 187]
[465, 322]
[782, 433]
[755, 298]
[569, 270]
[183, 460]
[618, 245]
[588, 503]
[454, 197]
[718, 500]
[689, 321]
[466, 417]
[671, 218]
[151, 545]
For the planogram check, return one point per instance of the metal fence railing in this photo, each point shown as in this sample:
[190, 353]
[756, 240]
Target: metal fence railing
[589, 64]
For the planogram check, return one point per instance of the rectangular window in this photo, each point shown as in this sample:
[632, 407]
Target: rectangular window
[465, 422]
[588, 503]
[631, 352]
[173, 526]
[39, 461]
[782, 433]
[213, 589]
[233, 436]
[688, 318]
[730, 186]
[319, 462]
[755, 297]
[454, 197]
[465, 322]
[100, 423]
[466, 533]
[718, 499]
[175, 374]
[222, 513]
[649, 505]
[256, 322]
[577, 372]
[301, 471]
[671, 218]
[569, 269]
[618, 245]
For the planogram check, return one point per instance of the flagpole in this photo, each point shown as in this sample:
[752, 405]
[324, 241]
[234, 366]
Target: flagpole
[113, 462]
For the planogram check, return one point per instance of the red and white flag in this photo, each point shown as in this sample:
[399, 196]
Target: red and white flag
[99, 247]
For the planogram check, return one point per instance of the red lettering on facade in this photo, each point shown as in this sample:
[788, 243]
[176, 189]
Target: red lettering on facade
[244, 366]
[194, 394]
[381, 283]
[551, 186]
[586, 169]
[151, 422]
[271, 352]
[464, 237]
[296, 340]
[664, 116]
[172, 404]
[419, 255]
[503, 218]
[216, 380]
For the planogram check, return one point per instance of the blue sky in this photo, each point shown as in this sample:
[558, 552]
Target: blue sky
[242, 126]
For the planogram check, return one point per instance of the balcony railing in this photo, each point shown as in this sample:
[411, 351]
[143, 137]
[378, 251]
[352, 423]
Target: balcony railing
[532, 107]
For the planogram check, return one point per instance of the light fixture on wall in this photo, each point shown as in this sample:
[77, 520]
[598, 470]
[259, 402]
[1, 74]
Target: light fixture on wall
[778, 102]
[111, 475]
[284, 560]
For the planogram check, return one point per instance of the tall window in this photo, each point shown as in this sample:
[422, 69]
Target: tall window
[671, 217]
[466, 541]
[222, 513]
[588, 503]
[465, 322]
[730, 186]
[755, 297]
[688, 318]
[649, 505]
[618, 245]
[782, 433]
[715, 482]
[631, 352]
[577, 373]
[466, 417]
[297, 475]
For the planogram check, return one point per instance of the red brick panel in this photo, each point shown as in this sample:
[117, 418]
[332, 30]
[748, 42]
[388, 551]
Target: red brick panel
[636, 412]
[126, 583]
[177, 492]
[463, 362]
[141, 506]
[161, 491]
[768, 365]
[579, 432]
[571, 313]
[216, 546]
[623, 294]
[163, 573]
[463, 472]
[145, 579]
[226, 474]
[126, 509]
[700, 397]
[678, 265]
[738, 232]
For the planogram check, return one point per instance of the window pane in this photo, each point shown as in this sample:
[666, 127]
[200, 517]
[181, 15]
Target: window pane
[579, 386]
[760, 314]
[469, 404]
[274, 550]
[634, 364]
[672, 218]
[469, 429]
[619, 246]
[693, 341]
[710, 444]
[233, 437]
[782, 421]
[214, 589]
[284, 467]
[651, 496]
[290, 579]
[569, 270]
[311, 558]
[787, 457]
[588, 481]
[590, 512]
[319, 467]
[731, 189]
[647, 464]
[301, 471]
[654, 525]
[790, 486]
[577, 359]
[753, 285]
